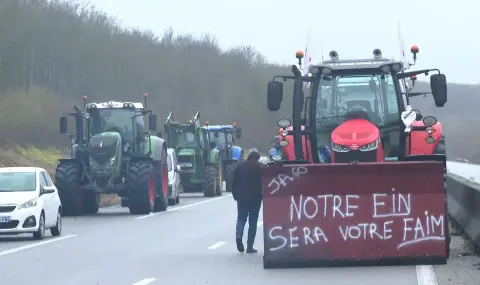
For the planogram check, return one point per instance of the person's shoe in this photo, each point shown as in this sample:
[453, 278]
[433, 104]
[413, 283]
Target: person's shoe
[251, 250]
[240, 246]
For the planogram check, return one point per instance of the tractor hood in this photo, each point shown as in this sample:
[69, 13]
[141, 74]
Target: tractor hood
[103, 147]
[355, 132]
[185, 151]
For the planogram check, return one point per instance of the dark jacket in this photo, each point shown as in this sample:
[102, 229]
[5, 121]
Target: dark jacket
[247, 180]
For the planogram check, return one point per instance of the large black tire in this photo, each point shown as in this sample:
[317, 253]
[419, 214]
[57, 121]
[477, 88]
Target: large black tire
[229, 169]
[209, 186]
[67, 178]
[141, 186]
[161, 184]
[91, 202]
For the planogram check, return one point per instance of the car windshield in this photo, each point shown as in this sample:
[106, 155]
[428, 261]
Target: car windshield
[185, 138]
[341, 96]
[17, 181]
[220, 140]
[169, 163]
[114, 119]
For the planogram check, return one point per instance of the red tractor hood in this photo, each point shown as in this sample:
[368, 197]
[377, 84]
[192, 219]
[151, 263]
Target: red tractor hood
[355, 131]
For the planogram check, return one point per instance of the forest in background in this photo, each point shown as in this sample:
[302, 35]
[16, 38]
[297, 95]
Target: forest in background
[54, 52]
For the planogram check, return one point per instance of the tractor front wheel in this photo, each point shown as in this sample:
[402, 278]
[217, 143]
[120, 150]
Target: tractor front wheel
[91, 202]
[67, 179]
[210, 184]
[141, 186]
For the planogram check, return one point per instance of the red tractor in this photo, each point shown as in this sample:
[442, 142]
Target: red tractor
[359, 163]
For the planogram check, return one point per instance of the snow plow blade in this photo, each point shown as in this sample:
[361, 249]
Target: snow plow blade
[367, 214]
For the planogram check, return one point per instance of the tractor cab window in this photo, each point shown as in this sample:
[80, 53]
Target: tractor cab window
[115, 120]
[340, 96]
[230, 139]
[185, 138]
[220, 140]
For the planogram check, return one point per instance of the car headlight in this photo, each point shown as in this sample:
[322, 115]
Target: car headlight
[339, 148]
[370, 146]
[29, 204]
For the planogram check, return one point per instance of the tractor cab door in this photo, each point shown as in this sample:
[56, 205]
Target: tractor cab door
[203, 148]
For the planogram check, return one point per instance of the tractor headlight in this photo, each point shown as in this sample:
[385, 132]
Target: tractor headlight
[186, 164]
[276, 157]
[339, 148]
[370, 146]
[29, 204]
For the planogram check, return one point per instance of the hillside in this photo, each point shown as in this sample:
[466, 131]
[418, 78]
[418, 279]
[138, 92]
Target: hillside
[459, 117]
[54, 52]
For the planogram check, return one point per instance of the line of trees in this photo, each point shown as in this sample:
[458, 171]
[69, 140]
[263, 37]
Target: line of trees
[54, 52]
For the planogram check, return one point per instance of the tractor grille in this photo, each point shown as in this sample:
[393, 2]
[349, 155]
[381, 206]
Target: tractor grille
[102, 153]
[360, 156]
[185, 162]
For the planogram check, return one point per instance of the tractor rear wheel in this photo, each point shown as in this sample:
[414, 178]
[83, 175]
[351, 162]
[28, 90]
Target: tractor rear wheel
[67, 179]
[141, 186]
[161, 184]
[209, 186]
[229, 169]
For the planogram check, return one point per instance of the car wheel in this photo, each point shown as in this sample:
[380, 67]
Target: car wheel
[40, 233]
[57, 229]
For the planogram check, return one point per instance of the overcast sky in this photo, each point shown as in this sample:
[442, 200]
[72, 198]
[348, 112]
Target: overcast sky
[447, 32]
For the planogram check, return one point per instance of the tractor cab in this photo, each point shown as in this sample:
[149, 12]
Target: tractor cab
[356, 110]
[223, 138]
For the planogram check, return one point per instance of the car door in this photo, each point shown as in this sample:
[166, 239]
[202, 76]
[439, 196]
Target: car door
[50, 207]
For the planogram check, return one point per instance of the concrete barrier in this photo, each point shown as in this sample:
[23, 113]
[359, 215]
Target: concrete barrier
[464, 197]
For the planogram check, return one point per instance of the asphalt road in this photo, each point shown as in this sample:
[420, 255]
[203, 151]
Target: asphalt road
[192, 243]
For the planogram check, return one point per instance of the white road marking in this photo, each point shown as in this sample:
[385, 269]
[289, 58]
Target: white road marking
[217, 245]
[181, 207]
[145, 281]
[426, 275]
[21, 248]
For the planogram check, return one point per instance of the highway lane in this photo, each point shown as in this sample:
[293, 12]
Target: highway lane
[190, 244]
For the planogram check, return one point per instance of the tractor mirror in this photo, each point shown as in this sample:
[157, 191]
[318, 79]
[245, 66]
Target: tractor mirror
[438, 84]
[274, 95]
[238, 133]
[63, 125]
[152, 122]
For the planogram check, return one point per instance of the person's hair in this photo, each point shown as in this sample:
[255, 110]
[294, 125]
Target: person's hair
[253, 156]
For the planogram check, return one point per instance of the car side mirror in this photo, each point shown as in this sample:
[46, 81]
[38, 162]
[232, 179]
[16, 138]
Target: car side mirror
[274, 95]
[63, 125]
[152, 122]
[438, 84]
[178, 169]
[47, 190]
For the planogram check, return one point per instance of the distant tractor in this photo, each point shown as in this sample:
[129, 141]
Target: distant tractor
[112, 153]
[223, 138]
[199, 160]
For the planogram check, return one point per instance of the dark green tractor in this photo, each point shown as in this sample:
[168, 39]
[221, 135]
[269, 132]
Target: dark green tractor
[197, 156]
[113, 153]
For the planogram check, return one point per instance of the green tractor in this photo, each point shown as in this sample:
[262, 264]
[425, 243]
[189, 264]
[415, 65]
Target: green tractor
[199, 159]
[112, 153]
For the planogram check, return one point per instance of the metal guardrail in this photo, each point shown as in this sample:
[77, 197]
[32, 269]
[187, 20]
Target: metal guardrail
[463, 194]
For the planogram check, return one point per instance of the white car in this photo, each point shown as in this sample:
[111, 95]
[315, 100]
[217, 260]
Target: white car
[29, 202]
[173, 177]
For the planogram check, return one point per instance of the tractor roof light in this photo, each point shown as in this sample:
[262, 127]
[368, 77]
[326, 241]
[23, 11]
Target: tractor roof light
[385, 68]
[326, 71]
[377, 53]
[234, 124]
[397, 67]
[206, 123]
[333, 55]
[414, 49]
[299, 55]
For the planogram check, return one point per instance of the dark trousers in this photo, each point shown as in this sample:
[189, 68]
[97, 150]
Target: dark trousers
[250, 210]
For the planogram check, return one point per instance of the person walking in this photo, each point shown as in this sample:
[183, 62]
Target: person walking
[247, 192]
